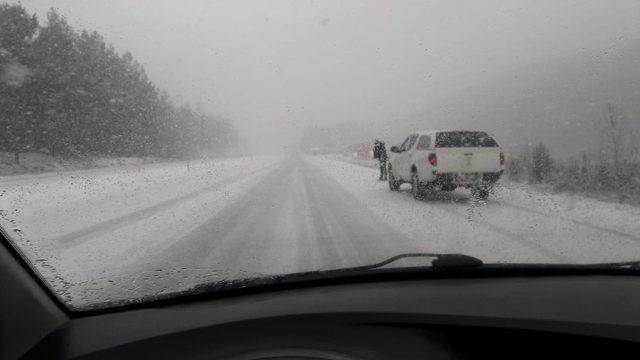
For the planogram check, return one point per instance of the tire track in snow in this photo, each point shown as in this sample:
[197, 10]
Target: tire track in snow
[454, 197]
[529, 244]
[296, 219]
[74, 238]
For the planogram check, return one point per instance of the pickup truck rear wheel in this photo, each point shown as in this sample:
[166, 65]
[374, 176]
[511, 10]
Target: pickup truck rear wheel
[480, 193]
[483, 194]
[449, 187]
[394, 184]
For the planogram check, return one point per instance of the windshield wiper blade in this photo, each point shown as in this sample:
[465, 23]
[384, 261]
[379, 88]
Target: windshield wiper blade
[629, 265]
[440, 261]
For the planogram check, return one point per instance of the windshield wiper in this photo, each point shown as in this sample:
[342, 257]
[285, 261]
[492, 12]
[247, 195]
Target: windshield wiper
[628, 265]
[631, 265]
[448, 263]
[440, 261]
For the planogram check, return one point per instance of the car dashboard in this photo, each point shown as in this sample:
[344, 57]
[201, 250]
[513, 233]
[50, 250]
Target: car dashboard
[455, 317]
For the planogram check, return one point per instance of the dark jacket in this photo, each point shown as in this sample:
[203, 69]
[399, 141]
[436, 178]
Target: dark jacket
[379, 151]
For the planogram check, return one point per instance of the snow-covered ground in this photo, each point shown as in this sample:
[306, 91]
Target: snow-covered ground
[37, 163]
[112, 234]
[80, 225]
[516, 224]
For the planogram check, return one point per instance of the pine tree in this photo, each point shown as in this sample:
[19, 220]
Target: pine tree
[17, 29]
[541, 163]
[82, 98]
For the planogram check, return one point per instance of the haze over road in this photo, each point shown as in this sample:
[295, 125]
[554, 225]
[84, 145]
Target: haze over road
[113, 233]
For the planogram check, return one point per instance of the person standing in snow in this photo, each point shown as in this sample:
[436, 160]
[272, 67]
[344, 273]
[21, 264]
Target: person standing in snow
[380, 153]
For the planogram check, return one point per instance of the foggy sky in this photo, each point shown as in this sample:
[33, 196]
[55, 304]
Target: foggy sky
[275, 67]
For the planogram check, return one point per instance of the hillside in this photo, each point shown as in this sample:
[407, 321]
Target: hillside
[560, 101]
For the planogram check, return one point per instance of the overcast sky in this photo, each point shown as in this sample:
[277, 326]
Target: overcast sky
[274, 67]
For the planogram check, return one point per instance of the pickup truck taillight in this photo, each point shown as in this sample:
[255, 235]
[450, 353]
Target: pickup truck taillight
[501, 159]
[433, 159]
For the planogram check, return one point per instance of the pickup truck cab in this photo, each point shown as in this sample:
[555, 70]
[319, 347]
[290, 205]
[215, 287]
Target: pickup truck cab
[445, 160]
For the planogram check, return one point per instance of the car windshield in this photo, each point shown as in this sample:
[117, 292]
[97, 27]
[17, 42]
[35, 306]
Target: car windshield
[150, 148]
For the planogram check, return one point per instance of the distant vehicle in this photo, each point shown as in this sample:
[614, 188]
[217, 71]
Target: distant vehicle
[445, 160]
[315, 150]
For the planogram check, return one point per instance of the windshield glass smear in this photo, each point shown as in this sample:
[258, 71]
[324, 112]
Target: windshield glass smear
[148, 149]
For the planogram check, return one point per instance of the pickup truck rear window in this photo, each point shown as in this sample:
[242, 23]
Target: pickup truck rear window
[464, 139]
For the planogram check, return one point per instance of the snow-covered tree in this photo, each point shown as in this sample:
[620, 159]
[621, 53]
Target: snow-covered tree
[70, 94]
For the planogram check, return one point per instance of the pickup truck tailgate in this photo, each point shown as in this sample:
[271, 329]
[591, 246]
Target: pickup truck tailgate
[468, 160]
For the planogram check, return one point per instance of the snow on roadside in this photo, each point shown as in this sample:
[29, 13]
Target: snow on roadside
[619, 218]
[516, 224]
[35, 163]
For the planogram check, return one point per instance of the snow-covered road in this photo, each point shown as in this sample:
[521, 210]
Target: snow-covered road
[106, 235]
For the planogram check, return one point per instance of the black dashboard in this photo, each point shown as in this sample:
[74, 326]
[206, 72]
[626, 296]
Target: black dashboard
[580, 316]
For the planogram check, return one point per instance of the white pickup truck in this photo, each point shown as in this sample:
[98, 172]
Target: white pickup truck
[445, 160]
